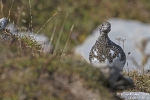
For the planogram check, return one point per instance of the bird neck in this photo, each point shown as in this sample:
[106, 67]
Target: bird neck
[103, 35]
[103, 38]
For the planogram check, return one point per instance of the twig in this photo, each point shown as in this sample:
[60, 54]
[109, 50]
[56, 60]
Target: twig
[2, 6]
[10, 9]
[30, 26]
[123, 40]
[118, 40]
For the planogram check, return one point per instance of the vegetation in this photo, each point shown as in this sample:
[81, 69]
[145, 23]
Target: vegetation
[84, 15]
[141, 81]
[27, 74]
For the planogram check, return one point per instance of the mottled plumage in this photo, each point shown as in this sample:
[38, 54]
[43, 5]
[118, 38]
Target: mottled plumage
[106, 51]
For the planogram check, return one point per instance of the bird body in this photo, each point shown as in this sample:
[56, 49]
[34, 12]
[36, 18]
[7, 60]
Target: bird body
[106, 51]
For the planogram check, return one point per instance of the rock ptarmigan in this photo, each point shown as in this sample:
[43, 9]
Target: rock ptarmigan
[106, 51]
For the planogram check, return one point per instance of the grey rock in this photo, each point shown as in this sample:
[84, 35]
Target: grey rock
[40, 38]
[134, 95]
[3, 23]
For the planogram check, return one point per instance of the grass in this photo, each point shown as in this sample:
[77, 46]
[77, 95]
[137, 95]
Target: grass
[84, 15]
[29, 42]
[141, 81]
[28, 74]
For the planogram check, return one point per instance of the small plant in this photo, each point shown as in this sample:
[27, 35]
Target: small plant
[29, 42]
[141, 81]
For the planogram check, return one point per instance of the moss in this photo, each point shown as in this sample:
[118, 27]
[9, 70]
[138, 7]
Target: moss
[30, 42]
[24, 76]
[141, 81]
[28, 74]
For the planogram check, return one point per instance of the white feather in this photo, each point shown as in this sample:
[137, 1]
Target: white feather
[112, 52]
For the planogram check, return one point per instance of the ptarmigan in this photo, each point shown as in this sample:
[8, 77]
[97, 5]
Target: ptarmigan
[106, 51]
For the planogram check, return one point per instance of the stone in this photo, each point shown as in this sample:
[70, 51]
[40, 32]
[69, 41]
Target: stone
[3, 23]
[40, 38]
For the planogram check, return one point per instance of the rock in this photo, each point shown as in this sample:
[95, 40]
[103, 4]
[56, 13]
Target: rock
[134, 34]
[134, 95]
[3, 23]
[40, 38]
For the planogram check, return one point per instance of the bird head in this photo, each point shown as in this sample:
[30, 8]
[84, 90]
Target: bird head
[105, 28]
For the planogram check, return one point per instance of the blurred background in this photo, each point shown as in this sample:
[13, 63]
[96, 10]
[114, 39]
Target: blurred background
[85, 15]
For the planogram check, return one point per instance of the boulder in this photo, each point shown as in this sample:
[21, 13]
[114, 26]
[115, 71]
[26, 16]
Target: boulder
[40, 38]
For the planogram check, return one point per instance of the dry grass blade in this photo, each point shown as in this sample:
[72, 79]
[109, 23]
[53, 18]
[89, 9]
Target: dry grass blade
[51, 39]
[46, 23]
[60, 33]
[64, 50]
[123, 41]
[30, 26]
[10, 9]
[19, 15]
[2, 6]
[119, 39]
